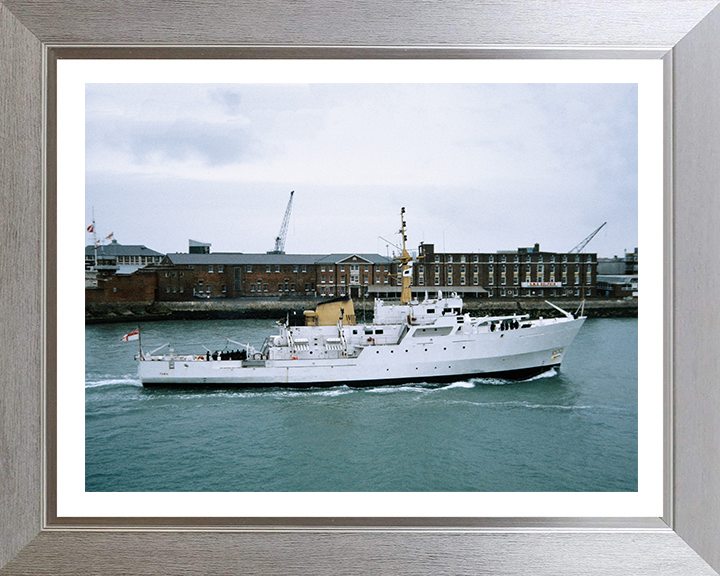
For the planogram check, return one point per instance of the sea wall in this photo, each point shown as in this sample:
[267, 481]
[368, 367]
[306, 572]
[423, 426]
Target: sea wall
[278, 308]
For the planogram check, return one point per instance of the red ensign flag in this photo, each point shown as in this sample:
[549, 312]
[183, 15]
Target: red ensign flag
[134, 335]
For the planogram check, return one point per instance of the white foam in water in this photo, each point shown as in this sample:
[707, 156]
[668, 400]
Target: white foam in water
[522, 404]
[549, 374]
[114, 382]
[463, 384]
[500, 382]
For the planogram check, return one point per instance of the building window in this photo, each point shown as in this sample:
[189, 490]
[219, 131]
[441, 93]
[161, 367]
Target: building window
[277, 269]
[492, 258]
[268, 269]
[167, 290]
[491, 280]
[322, 291]
[490, 292]
[502, 292]
[252, 287]
[265, 287]
[450, 258]
[462, 280]
[564, 279]
[385, 279]
[330, 269]
[322, 268]
[516, 258]
[476, 280]
[249, 269]
[503, 259]
[552, 259]
[224, 289]
[292, 287]
[280, 286]
[515, 279]
[207, 289]
[421, 281]
[200, 283]
[220, 268]
[304, 268]
[437, 280]
[295, 269]
[342, 278]
[322, 279]
[437, 258]
[564, 258]
[588, 291]
[182, 289]
[503, 280]
[210, 268]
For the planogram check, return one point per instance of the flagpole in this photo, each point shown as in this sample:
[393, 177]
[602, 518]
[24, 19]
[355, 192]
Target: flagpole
[139, 343]
[95, 244]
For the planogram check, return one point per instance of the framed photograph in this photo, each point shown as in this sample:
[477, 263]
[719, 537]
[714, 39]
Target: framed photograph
[662, 519]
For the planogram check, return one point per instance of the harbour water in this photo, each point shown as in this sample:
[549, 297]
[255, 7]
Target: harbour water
[569, 430]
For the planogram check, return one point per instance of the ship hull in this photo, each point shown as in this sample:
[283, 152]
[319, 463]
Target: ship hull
[512, 375]
[513, 355]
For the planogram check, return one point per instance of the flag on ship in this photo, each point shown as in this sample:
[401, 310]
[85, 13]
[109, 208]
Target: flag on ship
[91, 228]
[109, 236]
[134, 335]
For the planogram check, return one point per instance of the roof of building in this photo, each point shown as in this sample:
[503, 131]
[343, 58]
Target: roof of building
[115, 249]
[192, 242]
[370, 258]
[238, 258]
[617, 279]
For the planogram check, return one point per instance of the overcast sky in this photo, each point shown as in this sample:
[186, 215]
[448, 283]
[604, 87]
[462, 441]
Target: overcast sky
[479, 167]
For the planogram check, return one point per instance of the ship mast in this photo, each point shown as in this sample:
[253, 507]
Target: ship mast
[405, 259]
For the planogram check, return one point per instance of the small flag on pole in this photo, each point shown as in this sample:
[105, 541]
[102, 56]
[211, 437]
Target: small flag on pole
[91, 228]
[134, 335]
[109, 236]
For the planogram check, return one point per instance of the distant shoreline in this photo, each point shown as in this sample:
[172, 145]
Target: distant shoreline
[255, 308]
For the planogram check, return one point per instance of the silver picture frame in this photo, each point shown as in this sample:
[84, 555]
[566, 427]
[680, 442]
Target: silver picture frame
[685, 34]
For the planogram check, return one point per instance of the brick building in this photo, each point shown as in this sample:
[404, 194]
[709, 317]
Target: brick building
[235, 275]
[356, 275]
[527, 272]
[138, 286]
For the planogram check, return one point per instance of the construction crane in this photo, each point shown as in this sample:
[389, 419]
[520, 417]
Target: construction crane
[584, 243]
[280, 240]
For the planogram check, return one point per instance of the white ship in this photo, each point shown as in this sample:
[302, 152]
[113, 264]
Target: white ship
[431, 340]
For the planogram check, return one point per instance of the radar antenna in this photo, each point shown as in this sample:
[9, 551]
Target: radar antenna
[585, 242]
[280, 240]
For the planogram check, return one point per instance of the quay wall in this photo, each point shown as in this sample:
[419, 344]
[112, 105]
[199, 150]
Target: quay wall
[243, 308]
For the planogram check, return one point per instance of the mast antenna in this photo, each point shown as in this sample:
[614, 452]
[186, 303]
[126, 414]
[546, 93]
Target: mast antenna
[280, 240]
